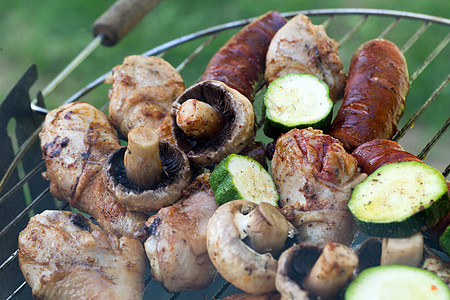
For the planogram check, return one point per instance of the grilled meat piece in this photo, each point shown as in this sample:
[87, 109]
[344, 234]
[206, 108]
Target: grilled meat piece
[176, 246]
[301, 47]
[76, 140]
[63, 255]
[143, 89]
[315, 177]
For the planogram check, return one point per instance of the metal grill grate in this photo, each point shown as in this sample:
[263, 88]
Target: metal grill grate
[23, 193]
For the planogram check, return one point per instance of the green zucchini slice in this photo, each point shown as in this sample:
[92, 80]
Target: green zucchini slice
[397, 282]
[296, 101]
[400, 199]
[444, 240]
[241, 177]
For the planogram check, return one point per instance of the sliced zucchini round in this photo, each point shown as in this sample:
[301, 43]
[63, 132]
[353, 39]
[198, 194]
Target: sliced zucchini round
[296, 101]
[241, 177]
[397, 282]
[400, 199]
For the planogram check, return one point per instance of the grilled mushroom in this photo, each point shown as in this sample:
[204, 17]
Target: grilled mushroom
[212, 120]
[147, 175]
[232, 231]
[387, 251]
[307, 270]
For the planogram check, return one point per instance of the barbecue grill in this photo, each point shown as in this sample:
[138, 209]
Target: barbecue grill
[24, 193]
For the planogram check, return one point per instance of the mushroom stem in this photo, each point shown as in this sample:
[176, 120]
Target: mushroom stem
[331, 271]
[199, 119]
[403, 251]
[266, 228]
[142, 160]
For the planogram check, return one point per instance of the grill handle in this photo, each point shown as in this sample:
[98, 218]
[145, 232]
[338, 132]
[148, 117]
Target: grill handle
[120, 18]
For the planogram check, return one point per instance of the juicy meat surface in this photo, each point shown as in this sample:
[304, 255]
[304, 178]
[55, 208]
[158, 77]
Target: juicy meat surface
[76, 140]
[301, 47]
[143, 89]
[63, 255]
[315, 177]
[176, 246]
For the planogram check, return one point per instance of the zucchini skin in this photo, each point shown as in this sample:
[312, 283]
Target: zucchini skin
[374, 97]
[220, 181]
[379, 152]
[426, 217]
[240, 63]
[407, 227]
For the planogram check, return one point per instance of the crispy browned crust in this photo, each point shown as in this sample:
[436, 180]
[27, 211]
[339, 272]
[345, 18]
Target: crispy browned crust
[379, 152]
[375, 94]
[241, 61]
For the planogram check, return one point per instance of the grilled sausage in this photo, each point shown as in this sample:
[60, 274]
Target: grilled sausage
[374, 98]
[379, 152]
[241, 61]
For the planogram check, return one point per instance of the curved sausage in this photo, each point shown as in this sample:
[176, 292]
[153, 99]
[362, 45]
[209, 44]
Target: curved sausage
[379, 152]
[374, 98]
[240, 63]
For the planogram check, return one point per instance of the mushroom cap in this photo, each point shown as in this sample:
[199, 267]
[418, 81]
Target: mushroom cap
[294, 265]
[176, 175]
[369, 254]
[239, 116]
[239, 264]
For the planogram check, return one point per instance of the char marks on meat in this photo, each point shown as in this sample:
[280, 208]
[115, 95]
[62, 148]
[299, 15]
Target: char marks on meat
[63, 255]
[176, 246]
[315, 177]
[75, 170]
[143, 89]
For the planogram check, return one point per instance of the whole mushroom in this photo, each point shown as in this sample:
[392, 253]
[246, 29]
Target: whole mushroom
[306, 270]
[212, 120]
[148, 174]
[242, 240]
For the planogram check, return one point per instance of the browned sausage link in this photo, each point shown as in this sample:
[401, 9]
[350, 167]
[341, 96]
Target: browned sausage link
[379, 152]
[241, 61]
[375, 93]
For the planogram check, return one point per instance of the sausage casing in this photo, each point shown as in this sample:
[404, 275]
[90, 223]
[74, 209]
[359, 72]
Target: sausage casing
[240, 63]
[379, 152]
[374, 98]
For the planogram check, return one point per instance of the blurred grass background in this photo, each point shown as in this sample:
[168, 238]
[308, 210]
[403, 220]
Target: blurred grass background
[51, 33]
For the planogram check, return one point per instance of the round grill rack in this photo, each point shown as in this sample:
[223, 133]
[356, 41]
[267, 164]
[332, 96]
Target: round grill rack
[24, 193]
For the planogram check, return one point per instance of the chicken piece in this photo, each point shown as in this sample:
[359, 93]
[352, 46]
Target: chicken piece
[301, 47]
[143, 89]
[176, 246]
[315, 177]
[76, 140]
[63, 255]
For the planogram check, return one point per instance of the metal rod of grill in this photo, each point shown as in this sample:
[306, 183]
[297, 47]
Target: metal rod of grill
[212, 33]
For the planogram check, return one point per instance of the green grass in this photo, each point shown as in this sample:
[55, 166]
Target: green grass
[51, 33]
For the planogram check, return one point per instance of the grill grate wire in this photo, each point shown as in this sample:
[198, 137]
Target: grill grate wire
[211, 34]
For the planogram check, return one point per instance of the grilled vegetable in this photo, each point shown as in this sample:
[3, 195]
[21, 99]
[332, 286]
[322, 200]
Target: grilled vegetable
[241, 177]
[296, 101]
[400, 199]
[397, 282]
[444, 240]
